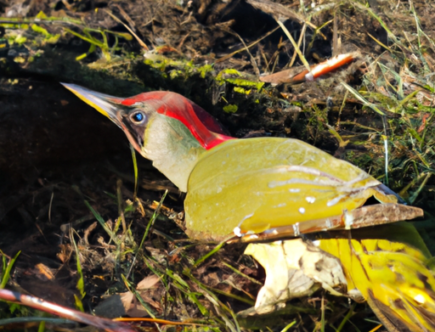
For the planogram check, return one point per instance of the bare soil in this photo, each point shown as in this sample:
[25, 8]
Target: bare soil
[56, 153]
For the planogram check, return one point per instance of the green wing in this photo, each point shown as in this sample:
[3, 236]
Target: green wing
[262, 183]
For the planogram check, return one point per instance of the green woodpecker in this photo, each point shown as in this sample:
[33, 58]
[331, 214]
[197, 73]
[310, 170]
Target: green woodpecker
[263, 185]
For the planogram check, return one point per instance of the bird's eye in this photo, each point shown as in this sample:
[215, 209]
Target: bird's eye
[138, 117]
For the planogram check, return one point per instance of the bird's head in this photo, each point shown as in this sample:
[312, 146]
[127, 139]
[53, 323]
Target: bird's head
[134, 114]
[163, 126]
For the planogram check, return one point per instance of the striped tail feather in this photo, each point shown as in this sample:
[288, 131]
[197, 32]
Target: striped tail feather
[386, 265]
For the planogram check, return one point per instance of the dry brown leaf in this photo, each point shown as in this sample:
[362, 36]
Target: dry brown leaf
[148, 282]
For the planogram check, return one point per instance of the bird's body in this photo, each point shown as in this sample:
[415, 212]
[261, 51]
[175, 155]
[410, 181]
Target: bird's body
[259, 184]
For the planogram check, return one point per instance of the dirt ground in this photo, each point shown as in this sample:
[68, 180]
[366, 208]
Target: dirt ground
[58, 157]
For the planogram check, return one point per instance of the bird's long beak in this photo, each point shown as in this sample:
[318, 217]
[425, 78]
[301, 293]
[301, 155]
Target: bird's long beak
[107, 105]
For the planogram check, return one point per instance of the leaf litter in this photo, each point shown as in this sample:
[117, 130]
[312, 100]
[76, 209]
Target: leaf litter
[196, 42]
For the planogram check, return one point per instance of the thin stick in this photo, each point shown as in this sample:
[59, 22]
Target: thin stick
[298, 51]
[304, 28]
[246, 47]
[140, 41]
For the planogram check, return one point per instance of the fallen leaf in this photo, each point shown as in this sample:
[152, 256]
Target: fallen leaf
[294, 268]
[148, 282]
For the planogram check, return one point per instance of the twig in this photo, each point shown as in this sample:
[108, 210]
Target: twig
[140, 41]
[71, 314]
[247, 47]
[253, 62]
[304, 28]
[289, 36]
